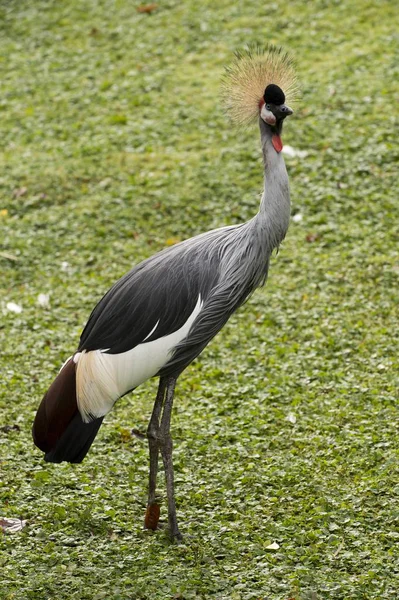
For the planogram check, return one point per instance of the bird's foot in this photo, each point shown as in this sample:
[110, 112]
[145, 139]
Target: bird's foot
[177, 537]
[139, 434]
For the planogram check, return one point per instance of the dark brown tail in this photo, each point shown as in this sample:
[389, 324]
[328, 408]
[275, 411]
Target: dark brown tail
[58, 428]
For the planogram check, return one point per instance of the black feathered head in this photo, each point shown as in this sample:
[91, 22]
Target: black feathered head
[274, 94]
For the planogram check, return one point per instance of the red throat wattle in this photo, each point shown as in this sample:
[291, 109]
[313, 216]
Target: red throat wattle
[277, 143]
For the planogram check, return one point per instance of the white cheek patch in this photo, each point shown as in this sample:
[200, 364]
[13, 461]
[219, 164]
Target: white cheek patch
[267, 116]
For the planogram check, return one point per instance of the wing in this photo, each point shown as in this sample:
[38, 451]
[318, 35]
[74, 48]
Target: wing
[152, 301]
[221, 303]
[160, 316]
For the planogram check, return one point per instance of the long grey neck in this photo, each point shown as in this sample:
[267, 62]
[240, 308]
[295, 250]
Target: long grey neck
[274, 211]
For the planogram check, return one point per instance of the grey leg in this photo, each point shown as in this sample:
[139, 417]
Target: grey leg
[152, 515]
[166, 446]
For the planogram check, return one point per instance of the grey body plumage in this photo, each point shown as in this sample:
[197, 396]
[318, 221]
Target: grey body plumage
[157, 318]
[223, 266]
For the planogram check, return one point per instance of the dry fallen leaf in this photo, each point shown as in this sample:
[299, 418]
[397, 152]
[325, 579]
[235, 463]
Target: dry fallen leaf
[13, 307]
[18, 192]
[290, 151]
[147, 8]
[8, 256]
[8, 428]
[43, 300]
[172, 241]
[11, 525]
[273, 546]
[126, 435]
[312, 237]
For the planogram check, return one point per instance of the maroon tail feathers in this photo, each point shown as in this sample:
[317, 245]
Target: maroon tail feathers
[58, 428]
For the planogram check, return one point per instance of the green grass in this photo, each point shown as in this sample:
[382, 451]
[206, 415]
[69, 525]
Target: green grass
[114, 144]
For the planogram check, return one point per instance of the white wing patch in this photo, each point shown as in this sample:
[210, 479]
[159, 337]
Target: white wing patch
[152, 331]
[103, 378]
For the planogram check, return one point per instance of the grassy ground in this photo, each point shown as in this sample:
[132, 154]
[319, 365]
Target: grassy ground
[113, 145]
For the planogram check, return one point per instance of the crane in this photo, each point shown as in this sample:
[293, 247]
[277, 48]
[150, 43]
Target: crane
[160, 316]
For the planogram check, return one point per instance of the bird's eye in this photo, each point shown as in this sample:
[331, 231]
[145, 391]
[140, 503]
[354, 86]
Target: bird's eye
[268, 107]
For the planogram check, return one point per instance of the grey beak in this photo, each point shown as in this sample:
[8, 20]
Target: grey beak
[285, 111]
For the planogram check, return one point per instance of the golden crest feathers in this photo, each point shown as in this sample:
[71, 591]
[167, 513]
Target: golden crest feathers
[252, 71]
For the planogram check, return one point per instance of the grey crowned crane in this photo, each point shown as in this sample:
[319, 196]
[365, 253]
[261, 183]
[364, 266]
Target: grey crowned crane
[158, 318]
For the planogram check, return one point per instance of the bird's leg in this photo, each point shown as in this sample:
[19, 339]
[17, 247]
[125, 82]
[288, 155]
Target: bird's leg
[152, 514]
[166, 446]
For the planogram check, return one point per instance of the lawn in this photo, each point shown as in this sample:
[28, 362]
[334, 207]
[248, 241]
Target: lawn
[113, 145]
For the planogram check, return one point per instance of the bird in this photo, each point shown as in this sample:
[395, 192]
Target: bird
[156, 319]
